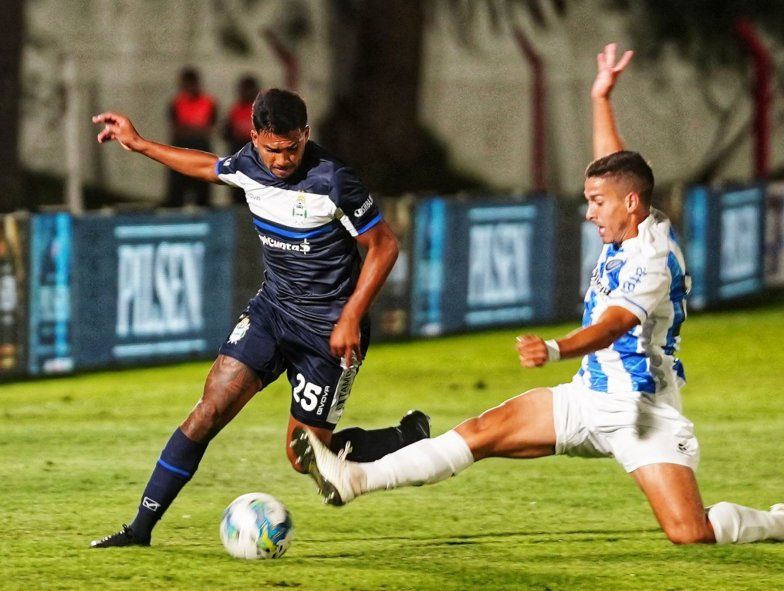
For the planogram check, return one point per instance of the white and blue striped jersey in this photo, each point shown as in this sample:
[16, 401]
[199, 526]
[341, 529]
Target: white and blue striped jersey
[307, 224]
[646, 275]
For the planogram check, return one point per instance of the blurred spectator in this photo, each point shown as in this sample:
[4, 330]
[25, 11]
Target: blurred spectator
[239, 123]
[192, 114]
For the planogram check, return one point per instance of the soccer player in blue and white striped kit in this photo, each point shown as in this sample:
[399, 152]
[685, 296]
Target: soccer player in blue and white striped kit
[625, 400]
[309, 319]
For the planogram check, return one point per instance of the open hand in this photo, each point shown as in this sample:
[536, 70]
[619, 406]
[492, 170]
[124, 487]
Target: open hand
[607, 70]
[119, 128]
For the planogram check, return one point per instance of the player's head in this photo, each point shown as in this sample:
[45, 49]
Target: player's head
[189, 80]
[280, 130]
[618, 188]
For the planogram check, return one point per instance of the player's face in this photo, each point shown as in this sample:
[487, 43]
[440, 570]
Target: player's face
[281, 154]
[610, 206]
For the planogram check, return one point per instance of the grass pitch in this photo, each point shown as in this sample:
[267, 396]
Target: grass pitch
[76, 452]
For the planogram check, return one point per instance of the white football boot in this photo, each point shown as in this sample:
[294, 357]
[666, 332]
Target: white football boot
[778, 511]
[337, 479]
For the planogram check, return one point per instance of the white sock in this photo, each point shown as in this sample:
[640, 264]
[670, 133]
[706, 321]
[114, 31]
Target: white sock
[425, 462]
[735, 524]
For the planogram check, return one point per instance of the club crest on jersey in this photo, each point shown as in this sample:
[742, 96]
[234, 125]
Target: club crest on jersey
[239, 331]
[300, 211]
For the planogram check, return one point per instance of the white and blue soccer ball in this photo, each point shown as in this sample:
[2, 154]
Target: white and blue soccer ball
[256, 525]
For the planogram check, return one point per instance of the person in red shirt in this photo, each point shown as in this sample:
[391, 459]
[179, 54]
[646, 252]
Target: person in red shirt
[192, 116]
[239, 123]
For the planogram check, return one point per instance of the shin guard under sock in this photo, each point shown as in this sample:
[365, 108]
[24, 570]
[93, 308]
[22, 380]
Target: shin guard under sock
[425, 462]
[367, 445]
[736, 524]
[178, 462]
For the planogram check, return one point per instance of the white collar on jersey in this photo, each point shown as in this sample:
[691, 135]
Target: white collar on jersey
[650, 232]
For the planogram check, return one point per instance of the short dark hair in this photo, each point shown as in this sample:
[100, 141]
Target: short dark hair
[629, 165]
[279, 111]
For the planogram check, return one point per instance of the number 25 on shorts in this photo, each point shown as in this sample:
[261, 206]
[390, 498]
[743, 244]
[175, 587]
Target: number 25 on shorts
[309, 393]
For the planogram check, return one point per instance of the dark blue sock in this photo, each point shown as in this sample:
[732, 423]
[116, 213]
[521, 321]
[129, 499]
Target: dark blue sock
[176, 466]
[368, 445]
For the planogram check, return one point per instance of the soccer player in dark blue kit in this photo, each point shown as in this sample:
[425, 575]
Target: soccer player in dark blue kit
[309, 318]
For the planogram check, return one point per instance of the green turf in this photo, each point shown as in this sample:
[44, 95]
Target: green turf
[75, 453]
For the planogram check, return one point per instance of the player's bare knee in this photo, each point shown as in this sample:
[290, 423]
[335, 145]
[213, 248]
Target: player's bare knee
[477, 433]
[683, 534]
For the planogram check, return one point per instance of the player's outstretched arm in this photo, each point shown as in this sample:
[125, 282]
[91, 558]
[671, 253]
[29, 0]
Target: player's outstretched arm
[382, 251]
[606, 139]
[614, 323]
[194, 163]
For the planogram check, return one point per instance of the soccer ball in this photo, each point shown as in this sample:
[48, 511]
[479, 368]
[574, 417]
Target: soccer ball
[256, 525]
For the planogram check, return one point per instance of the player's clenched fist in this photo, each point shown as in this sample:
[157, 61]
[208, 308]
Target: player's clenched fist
[119, 128]
[532, 351]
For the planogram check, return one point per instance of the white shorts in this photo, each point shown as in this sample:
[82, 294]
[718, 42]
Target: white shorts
[635, 429]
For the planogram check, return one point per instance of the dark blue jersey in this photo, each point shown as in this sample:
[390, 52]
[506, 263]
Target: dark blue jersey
[307, 224]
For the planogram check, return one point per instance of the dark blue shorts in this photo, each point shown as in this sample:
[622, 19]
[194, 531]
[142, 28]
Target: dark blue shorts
[269, 342]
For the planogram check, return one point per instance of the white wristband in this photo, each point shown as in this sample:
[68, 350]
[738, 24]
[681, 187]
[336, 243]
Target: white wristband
[553, 350]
